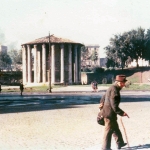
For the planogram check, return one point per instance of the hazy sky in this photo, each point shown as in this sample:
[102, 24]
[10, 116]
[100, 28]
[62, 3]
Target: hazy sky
[84, 21]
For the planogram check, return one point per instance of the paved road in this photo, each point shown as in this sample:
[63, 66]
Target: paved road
[67, 121]
[38, 101]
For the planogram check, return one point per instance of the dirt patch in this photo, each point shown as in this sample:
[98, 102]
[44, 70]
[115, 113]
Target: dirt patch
[140, 77]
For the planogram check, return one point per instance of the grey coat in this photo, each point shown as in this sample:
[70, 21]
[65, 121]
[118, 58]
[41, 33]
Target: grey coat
[111, 104]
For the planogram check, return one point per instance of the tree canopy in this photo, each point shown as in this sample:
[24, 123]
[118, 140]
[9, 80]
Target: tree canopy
[94, 56]
[5, 61]
[16, 57]
[86, 55]
[128, 46]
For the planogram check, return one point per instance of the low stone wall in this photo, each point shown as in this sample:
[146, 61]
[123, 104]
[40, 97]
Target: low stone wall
[11, 78]
[101, 78]
[136, 75]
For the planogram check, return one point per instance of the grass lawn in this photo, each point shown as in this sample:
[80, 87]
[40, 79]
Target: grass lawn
[142, 87]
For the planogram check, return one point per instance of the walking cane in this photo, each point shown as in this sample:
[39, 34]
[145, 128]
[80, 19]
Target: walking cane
[124, 132]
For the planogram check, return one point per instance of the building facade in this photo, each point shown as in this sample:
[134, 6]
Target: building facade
[86, 61]
[103, 62]
[56, 60]
[141, 62]
[3, 49]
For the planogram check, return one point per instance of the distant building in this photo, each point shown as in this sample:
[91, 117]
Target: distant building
[103, 62]
[141, 62]
[3, 49]
[88, 62]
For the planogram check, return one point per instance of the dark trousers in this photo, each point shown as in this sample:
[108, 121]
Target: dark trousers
[111, 128]
[21, 92]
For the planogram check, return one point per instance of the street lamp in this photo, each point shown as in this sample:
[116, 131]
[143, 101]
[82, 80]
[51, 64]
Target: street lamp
[49, 66]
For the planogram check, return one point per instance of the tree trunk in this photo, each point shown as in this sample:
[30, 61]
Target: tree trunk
[137, 64]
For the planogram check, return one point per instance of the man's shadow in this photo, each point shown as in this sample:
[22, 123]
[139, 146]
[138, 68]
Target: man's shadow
[145, 146]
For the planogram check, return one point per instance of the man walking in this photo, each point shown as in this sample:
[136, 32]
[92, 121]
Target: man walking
[21, 88]
[110, 111]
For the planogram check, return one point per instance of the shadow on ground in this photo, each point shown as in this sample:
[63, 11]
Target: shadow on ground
[146, 146]
[25, 103]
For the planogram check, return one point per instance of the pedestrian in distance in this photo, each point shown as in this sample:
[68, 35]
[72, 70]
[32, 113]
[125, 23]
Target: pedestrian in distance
[94, 86]
[21, 88]
[110, 110]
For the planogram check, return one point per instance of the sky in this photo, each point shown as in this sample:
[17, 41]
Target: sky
[84, 21]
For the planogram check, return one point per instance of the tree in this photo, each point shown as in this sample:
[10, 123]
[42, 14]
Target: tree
[19, 57]
[147, 45]
[137, 44]
[120, 54]
[84, 55]
[94, 56]
[5, 61]
[115, 52]
[130, 44]
[111, 57]
[16, 57]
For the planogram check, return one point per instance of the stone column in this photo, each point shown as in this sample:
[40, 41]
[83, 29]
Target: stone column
[39, 65]
[62, 64]
[44, 63]
[76, 65]
[53, 64]
[29, 64]
[35, 63]
[79, 65]
[24, 67]
[70, 64]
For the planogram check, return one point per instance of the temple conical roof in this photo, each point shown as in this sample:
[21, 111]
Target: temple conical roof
[53, 39]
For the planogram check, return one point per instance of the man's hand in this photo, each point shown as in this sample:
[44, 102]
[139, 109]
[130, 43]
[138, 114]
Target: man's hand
[125, 114]
[101, 105]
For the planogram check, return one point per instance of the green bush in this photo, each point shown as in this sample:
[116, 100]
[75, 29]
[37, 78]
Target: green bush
[86, 69]
[98, 70]
[110, 69]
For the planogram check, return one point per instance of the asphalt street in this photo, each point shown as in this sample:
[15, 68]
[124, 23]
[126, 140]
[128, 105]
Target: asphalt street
[67, 120]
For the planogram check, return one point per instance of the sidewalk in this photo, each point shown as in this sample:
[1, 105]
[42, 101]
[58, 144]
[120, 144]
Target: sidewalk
[76, 90]
[79, 88]
[63, 88]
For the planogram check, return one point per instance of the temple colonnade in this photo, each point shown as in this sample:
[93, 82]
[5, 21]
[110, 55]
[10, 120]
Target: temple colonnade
[63, 62]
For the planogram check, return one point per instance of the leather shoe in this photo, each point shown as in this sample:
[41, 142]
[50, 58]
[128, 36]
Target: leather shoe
[121, 145]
